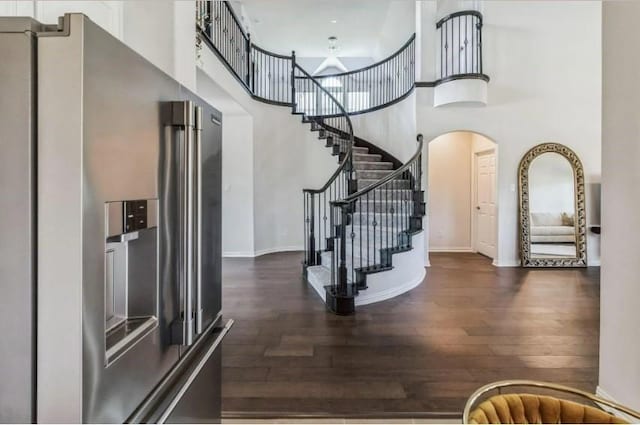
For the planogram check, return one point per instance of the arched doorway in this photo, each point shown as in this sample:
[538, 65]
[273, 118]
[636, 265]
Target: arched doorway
[462, 201]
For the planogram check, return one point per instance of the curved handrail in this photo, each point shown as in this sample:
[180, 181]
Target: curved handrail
[544, 385]
[380, 62]
[456, 14]
[347, 157]
[407, 165]
[267, 52]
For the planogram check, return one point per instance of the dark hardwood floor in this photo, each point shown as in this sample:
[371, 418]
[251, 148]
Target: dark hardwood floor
[425, 351]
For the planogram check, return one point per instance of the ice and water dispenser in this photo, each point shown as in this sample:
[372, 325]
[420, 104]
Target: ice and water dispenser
[130, 282]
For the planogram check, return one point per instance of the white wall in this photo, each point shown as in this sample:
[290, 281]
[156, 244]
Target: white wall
[237, 169]
[163, 32]
[619, 288]
[149, 30]
[287, 157]
[392, 129]
[398, 26]
[237, 186]
[540, 90]
[449, 191]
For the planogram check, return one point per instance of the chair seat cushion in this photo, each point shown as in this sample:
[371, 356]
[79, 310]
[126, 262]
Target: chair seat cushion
[538, 409]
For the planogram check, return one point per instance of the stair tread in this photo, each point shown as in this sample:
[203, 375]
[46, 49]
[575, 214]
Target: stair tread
[372, 162]
[384, 172]
[377, 180]
[367, 155]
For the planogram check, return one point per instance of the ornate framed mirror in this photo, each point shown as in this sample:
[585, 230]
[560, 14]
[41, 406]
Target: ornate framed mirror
[553, 224]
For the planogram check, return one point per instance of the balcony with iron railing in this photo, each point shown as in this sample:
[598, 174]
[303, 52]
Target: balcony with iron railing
[268, 77]
[460, 77]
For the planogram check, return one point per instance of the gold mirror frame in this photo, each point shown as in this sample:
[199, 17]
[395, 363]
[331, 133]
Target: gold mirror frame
[580, 213]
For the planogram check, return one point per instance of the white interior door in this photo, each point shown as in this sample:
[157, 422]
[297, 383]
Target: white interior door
[485, 208]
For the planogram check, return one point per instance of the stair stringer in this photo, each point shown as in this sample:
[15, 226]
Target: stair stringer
[407, 272]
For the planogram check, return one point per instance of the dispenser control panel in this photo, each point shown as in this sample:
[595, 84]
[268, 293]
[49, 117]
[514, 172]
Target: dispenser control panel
[135, 215]
[130, 216]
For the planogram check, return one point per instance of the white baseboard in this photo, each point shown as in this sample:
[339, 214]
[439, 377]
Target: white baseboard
[452, 249]
[238, 254]
[260, 252]
[602, 393]
[278, 249]
[497, 263]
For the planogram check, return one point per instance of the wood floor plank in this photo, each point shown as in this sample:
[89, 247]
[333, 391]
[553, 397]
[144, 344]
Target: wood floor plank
[468, 324]
[317, 389]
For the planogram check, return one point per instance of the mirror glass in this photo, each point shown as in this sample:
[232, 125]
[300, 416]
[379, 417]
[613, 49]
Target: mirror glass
[552, 207]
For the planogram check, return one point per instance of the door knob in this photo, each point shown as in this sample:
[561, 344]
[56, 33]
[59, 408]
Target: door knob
[477, 208]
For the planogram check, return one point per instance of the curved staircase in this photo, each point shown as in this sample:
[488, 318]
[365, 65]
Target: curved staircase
[382, 213]
[360, 225]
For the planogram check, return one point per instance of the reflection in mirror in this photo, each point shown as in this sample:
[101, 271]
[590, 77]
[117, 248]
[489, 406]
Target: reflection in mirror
[552, 207]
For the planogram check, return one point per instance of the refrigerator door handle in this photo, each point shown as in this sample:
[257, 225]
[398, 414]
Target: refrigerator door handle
[166, 396]
[181, 115]
[197, 193]
[166, 412]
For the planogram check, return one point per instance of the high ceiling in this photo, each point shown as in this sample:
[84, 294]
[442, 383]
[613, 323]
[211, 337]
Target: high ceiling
[305, 25]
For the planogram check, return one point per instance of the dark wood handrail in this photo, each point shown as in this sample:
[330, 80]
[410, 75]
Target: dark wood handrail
[456, 14]
[347, 157]
[381, 62]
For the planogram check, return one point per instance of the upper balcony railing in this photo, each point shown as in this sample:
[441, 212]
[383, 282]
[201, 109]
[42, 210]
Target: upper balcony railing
[460, 46]
[268, 76]
[375, 86]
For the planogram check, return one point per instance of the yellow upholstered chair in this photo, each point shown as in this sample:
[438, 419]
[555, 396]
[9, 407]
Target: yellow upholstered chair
[540, 409]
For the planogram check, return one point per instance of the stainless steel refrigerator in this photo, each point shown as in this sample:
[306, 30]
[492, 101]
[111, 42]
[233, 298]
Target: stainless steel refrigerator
[110, 235]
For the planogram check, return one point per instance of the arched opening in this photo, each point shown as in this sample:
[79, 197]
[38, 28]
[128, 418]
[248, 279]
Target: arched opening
[462, 194]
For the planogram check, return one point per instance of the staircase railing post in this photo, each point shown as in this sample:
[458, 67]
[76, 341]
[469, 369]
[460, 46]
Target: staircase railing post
[342, 268]
[248, 53]
[312, 235]
[293, 79]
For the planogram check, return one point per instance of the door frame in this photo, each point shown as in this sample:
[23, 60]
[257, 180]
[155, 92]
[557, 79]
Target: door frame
[474, 199]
